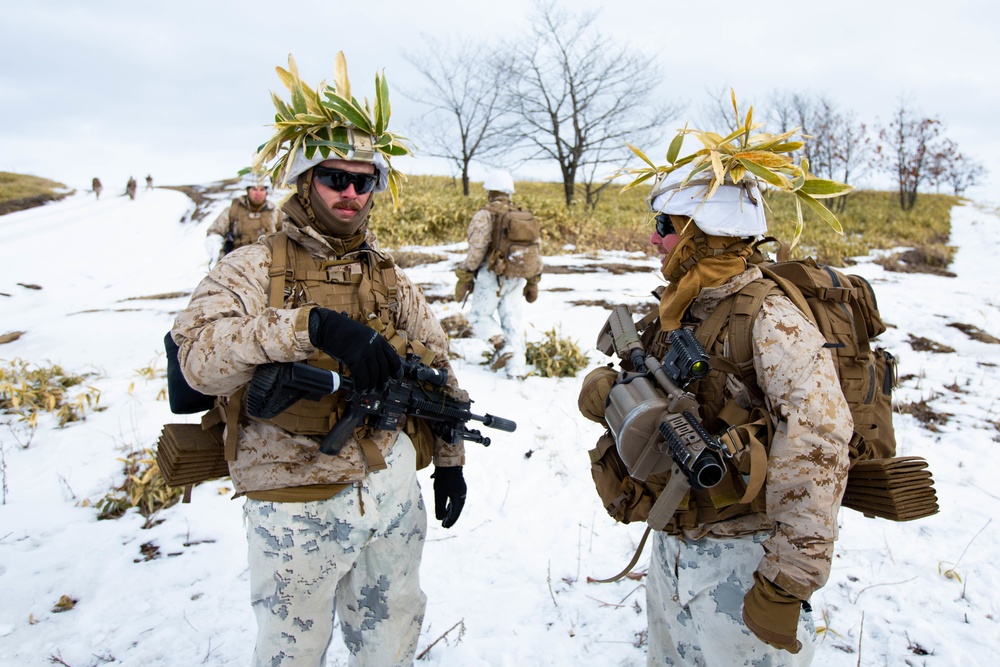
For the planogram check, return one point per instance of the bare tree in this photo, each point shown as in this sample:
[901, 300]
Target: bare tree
[716, 113]
[464, 86]
[948, 166]
[580, 97]
[905, 149]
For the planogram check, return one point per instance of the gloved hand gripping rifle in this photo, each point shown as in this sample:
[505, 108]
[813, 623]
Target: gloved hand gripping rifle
[276, 386]
[655, 423]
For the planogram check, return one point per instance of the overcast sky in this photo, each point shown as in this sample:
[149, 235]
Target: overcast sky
[180, 90]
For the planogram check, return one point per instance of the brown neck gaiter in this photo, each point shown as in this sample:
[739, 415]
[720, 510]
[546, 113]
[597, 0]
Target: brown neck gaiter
[699, 260]
[306, 207]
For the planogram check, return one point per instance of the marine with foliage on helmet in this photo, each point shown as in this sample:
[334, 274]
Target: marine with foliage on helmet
[328, 535]
[734, 568]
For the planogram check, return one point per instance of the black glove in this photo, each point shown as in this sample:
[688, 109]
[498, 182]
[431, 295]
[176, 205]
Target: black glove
[449, 494]
[368, 355]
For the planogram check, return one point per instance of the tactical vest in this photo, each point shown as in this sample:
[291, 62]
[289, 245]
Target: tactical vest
[746, 433]
[361, 284]
[246, 226]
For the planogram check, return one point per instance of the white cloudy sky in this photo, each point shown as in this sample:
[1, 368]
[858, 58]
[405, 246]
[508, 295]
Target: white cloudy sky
[180, 89]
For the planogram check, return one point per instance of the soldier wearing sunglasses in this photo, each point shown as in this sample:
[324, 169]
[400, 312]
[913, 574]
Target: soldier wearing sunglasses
[330, 536]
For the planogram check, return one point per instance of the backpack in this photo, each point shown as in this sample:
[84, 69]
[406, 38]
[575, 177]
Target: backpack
[517, 243]
[845, 310]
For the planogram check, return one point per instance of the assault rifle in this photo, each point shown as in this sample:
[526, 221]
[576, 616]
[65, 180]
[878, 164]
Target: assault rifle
[276, 386]
[655, 423]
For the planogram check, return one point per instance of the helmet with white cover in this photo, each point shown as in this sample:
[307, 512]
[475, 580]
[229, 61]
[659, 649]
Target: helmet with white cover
[499, 181]
[329, 123]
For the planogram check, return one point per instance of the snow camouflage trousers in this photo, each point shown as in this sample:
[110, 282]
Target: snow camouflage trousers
[356, 556]
[694, 601]
[503, 296]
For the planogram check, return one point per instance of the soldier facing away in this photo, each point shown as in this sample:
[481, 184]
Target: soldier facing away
[730, 576]
[96, 186]
[149, 182]
[503, 264]
[328, 535]
[130, 188]
[245, 220]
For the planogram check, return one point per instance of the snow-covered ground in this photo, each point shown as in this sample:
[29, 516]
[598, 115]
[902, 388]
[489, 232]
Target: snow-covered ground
[507, 586]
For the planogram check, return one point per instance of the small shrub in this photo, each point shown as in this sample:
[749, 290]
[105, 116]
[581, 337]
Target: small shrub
[143, 488]
[556, 356]
[28, 391]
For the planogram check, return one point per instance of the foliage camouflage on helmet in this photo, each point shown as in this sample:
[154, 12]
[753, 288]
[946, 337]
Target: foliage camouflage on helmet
[326, 120]
[767, 158]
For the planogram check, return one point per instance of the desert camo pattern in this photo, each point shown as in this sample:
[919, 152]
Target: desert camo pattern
[227, 330]
[355, 556]
[247, 225]
[808, 461]
[480, 237]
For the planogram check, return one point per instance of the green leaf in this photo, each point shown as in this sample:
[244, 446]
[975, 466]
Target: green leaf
[642, 156]
[764, 173]
[788, 147]
[821, 188]
[675, 147]
[822, 211]
[349, 112]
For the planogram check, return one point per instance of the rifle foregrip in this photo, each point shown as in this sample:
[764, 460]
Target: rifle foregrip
[499, 423]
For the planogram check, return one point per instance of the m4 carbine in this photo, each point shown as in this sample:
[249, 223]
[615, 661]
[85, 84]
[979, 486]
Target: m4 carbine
[655, 423]
[276, 386]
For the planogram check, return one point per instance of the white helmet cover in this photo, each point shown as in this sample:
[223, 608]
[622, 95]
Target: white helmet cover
[300, 163]
[734, 210]
[499, 181]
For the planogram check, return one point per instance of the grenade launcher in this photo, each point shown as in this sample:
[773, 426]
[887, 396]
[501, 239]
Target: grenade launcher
[655, 423]
[276, 386]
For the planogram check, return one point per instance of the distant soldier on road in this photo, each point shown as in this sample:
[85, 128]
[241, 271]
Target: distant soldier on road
[130, 188]
[96, 186]
[149, 182]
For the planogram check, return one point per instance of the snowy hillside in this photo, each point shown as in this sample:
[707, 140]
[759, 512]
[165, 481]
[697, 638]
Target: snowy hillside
[94, 286]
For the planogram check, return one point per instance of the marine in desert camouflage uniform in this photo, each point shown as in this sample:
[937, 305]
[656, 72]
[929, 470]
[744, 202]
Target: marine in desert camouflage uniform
[729, 585]
[495, 296]
[249, 217]
[328, 535]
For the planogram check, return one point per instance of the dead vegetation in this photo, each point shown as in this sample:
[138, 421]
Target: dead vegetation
[456, 326]
[975, 333]
[931, 419]
[921, 344]
[156, 297]
[933, 258]
[613, 268]
[406, 259]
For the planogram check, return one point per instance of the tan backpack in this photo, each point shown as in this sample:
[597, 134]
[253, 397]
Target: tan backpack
[517, 243]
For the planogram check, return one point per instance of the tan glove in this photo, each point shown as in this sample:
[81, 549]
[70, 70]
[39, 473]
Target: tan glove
[466, 279]
[772, 614]
[594, 393]
[531, 289]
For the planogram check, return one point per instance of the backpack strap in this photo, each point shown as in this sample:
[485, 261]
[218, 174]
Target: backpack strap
[631, 563]
[279, 270]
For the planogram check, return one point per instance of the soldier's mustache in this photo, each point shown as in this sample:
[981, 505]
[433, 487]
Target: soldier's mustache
[352, 205]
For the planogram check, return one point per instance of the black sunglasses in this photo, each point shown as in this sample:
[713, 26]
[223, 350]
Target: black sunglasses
[664, 226]
[338, 179]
